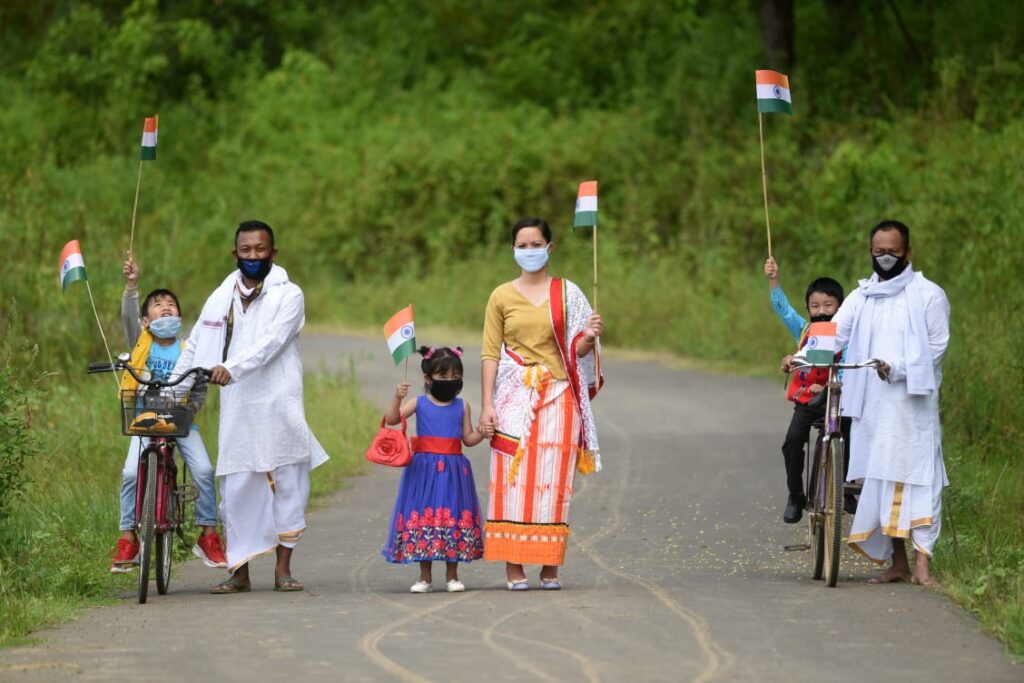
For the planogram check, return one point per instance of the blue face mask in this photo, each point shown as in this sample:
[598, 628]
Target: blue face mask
[532, 260]
[255, 269]
[165, 328]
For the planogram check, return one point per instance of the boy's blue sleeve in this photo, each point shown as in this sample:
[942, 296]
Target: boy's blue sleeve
[793, 321]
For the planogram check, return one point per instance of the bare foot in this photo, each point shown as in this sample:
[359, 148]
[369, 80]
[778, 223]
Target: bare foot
[891, 575]
[927, 581]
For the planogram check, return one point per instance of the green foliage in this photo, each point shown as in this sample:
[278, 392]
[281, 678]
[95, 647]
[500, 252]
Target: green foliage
[17, 441]
[393, 143]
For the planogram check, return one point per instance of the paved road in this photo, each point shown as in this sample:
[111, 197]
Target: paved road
[676, 572]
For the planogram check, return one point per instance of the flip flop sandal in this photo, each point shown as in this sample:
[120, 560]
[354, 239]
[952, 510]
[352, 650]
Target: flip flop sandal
[550, 584]
[232, 585]
[287, 584]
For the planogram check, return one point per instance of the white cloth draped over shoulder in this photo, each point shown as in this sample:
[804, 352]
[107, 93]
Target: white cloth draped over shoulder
[904, 322]
[896, 438]
[262, 416]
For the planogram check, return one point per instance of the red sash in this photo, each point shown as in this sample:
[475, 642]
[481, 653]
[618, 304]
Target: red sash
[436, 444]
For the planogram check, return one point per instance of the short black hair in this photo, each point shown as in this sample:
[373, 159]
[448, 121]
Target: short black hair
[534, 222]
[890, 224]
[156, 293]
[253, 226]
[437, 361]
[824, 285]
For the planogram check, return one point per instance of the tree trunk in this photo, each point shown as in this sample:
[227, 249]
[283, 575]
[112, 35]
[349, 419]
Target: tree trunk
[778, 25]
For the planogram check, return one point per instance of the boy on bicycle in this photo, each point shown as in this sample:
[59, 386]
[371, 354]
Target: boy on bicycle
[823, 298]
[156, 348]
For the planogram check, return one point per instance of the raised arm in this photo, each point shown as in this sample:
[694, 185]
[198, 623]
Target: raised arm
[130, 303]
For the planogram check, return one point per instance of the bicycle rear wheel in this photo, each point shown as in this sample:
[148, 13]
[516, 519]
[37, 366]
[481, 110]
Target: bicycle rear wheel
[833, 518]
[147, 523]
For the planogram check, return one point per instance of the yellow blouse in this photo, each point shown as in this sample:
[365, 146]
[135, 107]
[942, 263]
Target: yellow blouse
[525, 329]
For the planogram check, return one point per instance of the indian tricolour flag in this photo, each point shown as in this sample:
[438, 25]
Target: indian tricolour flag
[72, 266]
[586, 205]
[821, 343]
[773, 92]
[149, 138]
[400, 332]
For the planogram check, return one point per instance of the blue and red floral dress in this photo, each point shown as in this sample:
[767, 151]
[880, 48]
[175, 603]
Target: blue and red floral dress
[437, 514]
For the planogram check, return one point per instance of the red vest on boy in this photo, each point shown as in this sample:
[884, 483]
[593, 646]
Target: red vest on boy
[803, 379]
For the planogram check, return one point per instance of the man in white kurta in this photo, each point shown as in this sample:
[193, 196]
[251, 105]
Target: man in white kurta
[248, 333]
[901, 318]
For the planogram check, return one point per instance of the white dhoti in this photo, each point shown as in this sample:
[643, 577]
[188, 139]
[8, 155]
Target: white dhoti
[262, 510]
[891, 509]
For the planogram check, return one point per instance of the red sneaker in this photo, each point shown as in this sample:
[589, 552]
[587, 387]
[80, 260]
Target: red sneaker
[125, 557]
[210, 549]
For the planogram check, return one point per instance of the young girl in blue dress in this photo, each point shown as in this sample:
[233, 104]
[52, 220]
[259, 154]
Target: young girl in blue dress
[436, 515]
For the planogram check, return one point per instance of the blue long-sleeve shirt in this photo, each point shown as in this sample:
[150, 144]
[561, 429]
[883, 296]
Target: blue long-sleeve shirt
[793, 321]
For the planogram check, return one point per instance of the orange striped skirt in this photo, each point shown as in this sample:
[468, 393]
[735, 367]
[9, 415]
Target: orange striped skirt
[528, 511]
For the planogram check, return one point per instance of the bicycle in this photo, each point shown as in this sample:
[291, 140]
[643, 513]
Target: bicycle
[161, 414]
[825, 482]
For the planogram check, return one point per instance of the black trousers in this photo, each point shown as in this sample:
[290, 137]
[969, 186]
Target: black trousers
[796, 438]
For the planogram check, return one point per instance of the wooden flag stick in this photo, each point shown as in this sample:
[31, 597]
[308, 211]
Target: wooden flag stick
[138, 184]
[106, 346]
[405, 378]
[764, 183]
[594, 240]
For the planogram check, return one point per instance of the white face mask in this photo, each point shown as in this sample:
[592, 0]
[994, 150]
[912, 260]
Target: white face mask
[532, 260]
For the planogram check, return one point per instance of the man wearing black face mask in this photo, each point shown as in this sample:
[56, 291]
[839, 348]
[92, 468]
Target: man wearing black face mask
[901, 318]
[248, 334]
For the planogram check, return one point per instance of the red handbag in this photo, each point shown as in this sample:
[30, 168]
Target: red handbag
[390, 447]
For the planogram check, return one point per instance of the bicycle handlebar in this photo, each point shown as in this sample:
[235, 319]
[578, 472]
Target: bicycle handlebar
[200, 373]
[797, 363]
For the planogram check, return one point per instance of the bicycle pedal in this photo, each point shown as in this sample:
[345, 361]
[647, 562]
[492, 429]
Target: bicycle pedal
[188, 493]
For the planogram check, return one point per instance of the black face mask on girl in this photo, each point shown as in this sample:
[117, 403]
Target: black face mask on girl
[445, 390]
[821, 318]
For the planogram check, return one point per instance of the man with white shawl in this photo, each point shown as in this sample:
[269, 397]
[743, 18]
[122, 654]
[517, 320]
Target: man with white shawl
[248, 333]
[901, 318]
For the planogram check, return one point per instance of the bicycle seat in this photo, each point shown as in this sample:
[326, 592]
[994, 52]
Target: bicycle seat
[818, 400]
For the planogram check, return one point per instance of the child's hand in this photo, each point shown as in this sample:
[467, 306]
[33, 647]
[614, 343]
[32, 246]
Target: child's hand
[787, 362]
[131, 271]
[402, 390]
[816, 388]
[771, 269]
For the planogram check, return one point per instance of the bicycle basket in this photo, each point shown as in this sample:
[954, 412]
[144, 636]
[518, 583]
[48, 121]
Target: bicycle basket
[151, 412]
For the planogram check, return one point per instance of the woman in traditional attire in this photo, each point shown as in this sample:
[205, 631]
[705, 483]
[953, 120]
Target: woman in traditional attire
[541, 368]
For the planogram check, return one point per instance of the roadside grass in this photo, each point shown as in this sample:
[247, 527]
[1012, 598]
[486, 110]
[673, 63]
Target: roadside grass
[56, 545]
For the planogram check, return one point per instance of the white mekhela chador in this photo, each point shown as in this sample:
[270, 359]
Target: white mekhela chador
[896, 439]
[266, 449]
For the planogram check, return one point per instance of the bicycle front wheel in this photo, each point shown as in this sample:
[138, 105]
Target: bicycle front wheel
[147, 522]
[833, 517]
[815, 497]
[164, 555]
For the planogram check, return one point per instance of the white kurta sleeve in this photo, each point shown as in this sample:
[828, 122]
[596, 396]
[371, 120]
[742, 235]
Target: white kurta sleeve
[288, 322]
[936, 317]
[185, 360]
[844, 319]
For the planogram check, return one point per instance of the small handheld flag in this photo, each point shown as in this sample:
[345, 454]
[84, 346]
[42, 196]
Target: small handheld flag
[149, 133]
[773, 92]
[586, 205]
[821, 343]
[72, 269]
[72, 265]
[400, 331]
